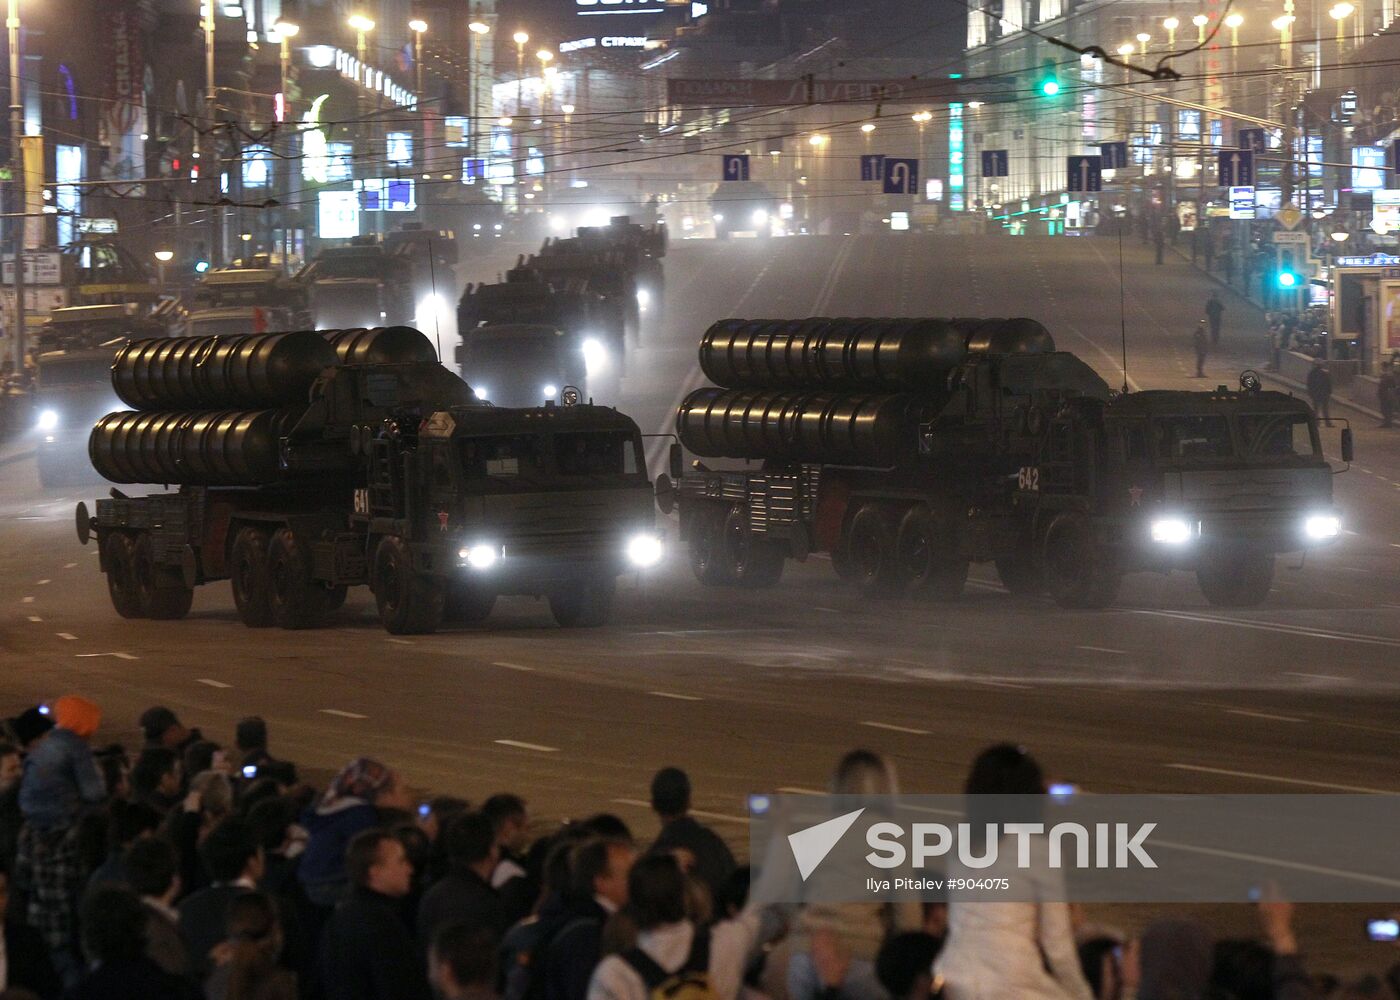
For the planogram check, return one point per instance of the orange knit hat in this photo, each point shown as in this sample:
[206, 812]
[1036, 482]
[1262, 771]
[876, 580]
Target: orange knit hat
[77, 714]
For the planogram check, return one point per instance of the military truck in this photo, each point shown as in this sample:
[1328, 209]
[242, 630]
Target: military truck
[73, 382]
[309, 463]
[909, 449]
[255, 298]
[359, 285]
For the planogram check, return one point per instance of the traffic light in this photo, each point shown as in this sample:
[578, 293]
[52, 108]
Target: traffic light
[1287, 276]
[1049, 82]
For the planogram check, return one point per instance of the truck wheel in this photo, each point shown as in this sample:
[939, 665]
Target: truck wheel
[410, 603]
[162, 590]
[295, 598]
[1236, 579]
[922, 549]
[871, 544]
[1020, 574]
[1078, 572]
[751, 562]
[119, 553]
[583, 604]
[248, 576]
[335, 597]
[468, 604]
[707, 560]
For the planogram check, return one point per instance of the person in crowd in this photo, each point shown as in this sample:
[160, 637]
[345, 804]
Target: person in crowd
[26, 962]
[350, 804]
[30, 727]
[1388, 394]
[205, 755]
[1271, 968]
[1215, 312]
[596, 891]
[670, 947]
[152, 871]
[234, 862]
[462, 963]
[11, 767]
[904, 965]
[1319, 387]
[465, 895]
[162, 728]
[157, 778]
[61, 784]
[114, 943]
[1020, 949]
[127, 822]
[1100, 959]
[511, 877]
[11, 819]
[249, 968]
[1201, 343]
[367, 952]
[250, 740]
[1175, 958]
[670, 800]
[206, 804]
[434, 817]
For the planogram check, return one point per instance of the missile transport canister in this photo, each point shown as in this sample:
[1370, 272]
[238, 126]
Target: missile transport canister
[311, 462]
[908, 449]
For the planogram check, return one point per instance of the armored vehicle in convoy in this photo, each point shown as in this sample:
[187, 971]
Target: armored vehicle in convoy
[360, 285]
[908, 449]
[251, 299]
[73, 382]
[308, 463]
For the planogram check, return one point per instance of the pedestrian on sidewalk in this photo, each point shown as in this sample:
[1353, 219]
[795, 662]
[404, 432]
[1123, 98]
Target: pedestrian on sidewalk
[1386, 392]
[1202, 344]
[1215, 309]
[1320, 390]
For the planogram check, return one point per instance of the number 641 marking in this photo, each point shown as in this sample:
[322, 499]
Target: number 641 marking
[1028, 479]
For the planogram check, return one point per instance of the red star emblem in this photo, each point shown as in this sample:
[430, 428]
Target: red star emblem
[1135, 495]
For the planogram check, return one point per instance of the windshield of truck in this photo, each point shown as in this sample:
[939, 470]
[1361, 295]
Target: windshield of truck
[521, 461]
[595, 454]
[1184, 438]
[350, 267]
[1272, 436]
[87, 373]
[220, 326]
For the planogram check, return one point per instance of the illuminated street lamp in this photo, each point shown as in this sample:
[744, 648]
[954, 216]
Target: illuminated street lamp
[868, 127]
[817, 140]
[1171, 24]
[1340, 12]
[521, 38]
[1200, 21]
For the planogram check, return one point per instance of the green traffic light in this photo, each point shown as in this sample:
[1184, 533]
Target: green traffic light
[1287, 279]
[1050, 88]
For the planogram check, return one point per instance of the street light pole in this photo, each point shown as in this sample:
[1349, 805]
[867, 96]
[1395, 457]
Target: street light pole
[520, 39]
[17, 180]
[418, 26]
[474, 118]
[208, 145]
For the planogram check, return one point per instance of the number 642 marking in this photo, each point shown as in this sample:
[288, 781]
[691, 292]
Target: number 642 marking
[1028, 479]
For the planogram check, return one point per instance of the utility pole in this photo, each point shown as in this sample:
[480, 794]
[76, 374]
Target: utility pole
[208, 142]
[17, 181]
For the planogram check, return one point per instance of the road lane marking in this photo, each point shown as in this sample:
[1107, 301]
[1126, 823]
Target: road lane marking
[722, 817]
[830, 611]
[537, 747]
[1315, 677]
[69, 565]
[897, 729]
[66, 635]
[400, 642]
[35, 618]
[41, 583]
[26, 600]
[343, 715]
[1281, 780]
[1103, 649]
[675, 697]
[1277, 863]
[120, 656]
[514, 666]
[212, 683]
[1312, 633]
[1261, 715]
[790, 790]
[1001, 684]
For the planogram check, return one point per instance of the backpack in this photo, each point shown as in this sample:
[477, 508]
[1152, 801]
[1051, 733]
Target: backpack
[690, 982]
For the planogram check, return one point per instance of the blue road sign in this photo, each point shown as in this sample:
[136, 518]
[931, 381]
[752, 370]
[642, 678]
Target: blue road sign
[473, 169]
[1236, 168]
[1252, 139]
[1114, 155]
[1085, 173]
[736, 167]
[872, 167]
[901, 176]
[996, 163]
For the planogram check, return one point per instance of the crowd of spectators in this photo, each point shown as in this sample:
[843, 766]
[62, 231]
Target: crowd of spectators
[186, 869]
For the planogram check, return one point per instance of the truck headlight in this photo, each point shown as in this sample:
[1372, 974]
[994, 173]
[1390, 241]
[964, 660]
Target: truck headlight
[1320, 527]
[595, 356]
[644, 550]
[759, 217]
[482, 555]
[48, 421]
[1171, 531]
[482, 392]
[643, 298]
[550, 391]
[719, 216]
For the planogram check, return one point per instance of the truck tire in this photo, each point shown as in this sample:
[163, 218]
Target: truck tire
[751, 562]
[162, 590]
[119, 553]
[410, 603]
[296, 599]
[922, 549]
[1078, 572]
[871, 544]
[247, 573]
[707, 560]
[1020, 574]
[583, 604]
[335, 597]
[468, 604]
[1236, 579]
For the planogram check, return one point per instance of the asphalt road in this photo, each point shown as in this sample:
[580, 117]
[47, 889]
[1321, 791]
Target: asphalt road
[764, 690]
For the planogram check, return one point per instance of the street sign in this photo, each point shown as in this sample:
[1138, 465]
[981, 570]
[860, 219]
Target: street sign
[473, 170]
[901, 176]
[1114, 154]
[996, 163]
[736, 167]
[1288, 216]
[1252, 139]
[1085, 173]
[1236, 168]
[41, 267]
[1291, 239]
[872, 167]
[1242, 202]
